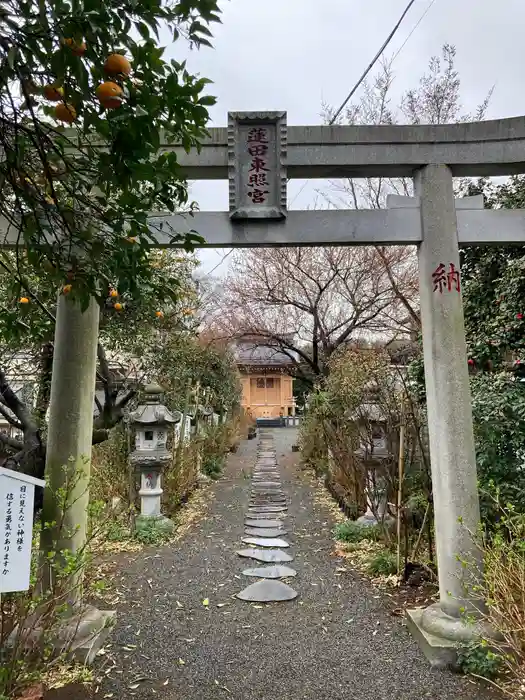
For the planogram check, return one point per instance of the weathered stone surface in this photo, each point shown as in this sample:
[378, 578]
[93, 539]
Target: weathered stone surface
[262, 542]
[267, 591]
[253, 522]
[271, 485]
[276, 556]
[276, 571]
[264, 532]
[255, 514]
[267, 509]
[266, 502]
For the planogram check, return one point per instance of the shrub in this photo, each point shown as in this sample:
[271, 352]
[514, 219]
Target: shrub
[477, 657]
[383, 564]
[350, 531]
[212, 466]
[149, 533]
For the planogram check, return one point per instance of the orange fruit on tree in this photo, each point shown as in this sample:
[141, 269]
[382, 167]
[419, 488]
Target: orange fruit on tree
[109, 94]
[78, 48]
[113, 293]
[65, 113]
[118, 306]
[24, 300]
[53, 93]
[67, 288]
[159, 314]
[117, 64]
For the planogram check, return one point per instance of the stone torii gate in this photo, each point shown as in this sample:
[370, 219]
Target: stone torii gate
[257, 153]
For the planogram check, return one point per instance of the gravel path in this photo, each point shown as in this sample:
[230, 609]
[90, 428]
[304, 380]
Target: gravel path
[335, 641]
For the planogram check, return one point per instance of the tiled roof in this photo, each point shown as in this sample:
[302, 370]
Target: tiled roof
[248, 353]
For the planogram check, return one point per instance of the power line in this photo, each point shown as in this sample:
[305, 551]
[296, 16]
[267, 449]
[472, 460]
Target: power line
[220, 261]
[372, 63]
[413, 30]
[299, 192]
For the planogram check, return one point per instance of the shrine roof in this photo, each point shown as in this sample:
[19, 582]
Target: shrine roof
[250, 353]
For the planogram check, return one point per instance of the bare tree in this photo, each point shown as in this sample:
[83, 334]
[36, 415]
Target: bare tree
[307, 302]
[435, 100]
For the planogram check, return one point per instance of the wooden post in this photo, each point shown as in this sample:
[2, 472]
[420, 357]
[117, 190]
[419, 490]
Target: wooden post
[401, 474]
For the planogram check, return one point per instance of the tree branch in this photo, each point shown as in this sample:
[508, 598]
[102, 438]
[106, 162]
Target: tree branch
[9, 418]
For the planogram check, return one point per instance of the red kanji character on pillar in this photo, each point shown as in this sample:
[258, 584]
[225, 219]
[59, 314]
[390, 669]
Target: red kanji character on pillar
[439, 278]
[258, 165]
[258, 179]
[453, 279]
[258, 149]
[257, 135]
[257, 196]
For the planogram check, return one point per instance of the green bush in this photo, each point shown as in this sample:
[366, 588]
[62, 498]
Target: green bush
[477, 657]
[212, 465]
[149, 533]
[383, 564]
[350, 531]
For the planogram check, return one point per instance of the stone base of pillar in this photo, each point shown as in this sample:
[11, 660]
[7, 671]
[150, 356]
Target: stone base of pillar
[158, 522]
[80, 636]
[439, 634]
[86, 633]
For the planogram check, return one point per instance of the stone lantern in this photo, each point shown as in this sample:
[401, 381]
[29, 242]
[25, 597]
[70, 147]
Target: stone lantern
[151, 421]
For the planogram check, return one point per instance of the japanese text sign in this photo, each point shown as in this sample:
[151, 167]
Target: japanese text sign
[257, 171]
[446, 279]
[17, 495]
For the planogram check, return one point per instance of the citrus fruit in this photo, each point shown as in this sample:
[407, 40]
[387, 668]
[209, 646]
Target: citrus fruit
[78, 48]
[67, 288]
[65, 113]
[118, 306]
[159, 314]
[109, 95]
[24, 300]
[53, 93]
[116, 64]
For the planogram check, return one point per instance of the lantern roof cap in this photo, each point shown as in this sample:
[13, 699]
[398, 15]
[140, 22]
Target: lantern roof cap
[153, 411]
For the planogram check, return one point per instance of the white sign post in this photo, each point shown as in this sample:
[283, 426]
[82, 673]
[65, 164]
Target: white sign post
[17, 496]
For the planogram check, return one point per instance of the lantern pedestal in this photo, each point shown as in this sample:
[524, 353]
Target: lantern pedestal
[150, 467]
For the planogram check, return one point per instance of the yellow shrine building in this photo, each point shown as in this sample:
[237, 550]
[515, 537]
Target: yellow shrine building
[267, 389]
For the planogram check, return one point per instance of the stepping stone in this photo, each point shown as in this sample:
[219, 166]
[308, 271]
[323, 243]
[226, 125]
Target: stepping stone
[262, 542]
[257, 515]
[263, 495]
[266, 503]
[253, 522]
[267, 484]
[266, 453]
[267, 591]
[267, 509]
[274, 556]
[276, 571]
[264, 532]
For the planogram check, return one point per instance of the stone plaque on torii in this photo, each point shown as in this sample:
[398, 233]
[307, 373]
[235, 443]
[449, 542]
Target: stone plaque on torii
[258, 154]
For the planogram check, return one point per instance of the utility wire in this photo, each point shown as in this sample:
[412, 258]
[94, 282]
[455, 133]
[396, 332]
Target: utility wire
[413, 30]
[370, 67]
[220, 261]
[372, 63]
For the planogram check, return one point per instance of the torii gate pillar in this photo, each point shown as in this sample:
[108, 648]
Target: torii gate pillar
[439, 627]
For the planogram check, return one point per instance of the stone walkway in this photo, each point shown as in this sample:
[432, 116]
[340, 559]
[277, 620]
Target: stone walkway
[183, 633]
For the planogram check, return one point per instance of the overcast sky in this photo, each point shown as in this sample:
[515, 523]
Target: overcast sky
[295, 54]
